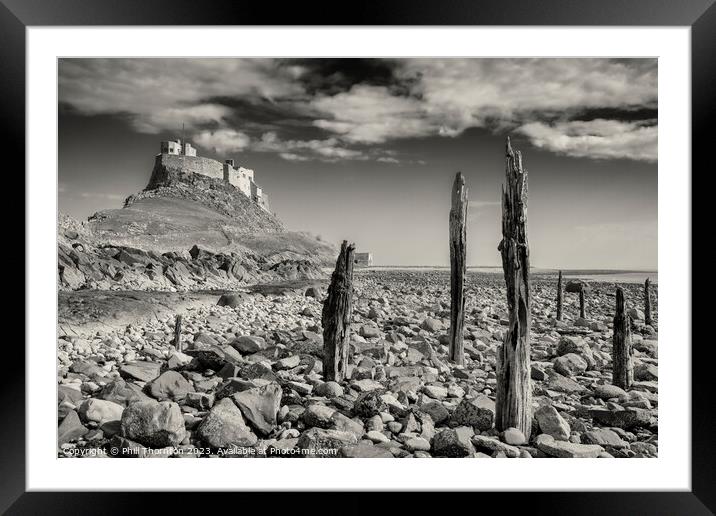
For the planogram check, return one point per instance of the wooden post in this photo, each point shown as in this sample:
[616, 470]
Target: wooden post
[647, 302]
[559, 296]
[582, 307]
[337, 310]
[177, 333]
[622, 360]
[513, 403]
[458, 236]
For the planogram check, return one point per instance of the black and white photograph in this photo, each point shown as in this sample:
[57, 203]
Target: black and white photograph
[357, 258]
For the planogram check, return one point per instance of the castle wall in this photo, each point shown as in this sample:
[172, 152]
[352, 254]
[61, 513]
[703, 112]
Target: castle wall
[238, 178]
[194, 164]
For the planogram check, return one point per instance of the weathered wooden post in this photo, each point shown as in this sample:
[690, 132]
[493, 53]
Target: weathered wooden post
[582, 307]
[177, 333]
[336, 317]
[647, 302]
[559, 296]
[458, 236]
[622, 360]
[514, 390]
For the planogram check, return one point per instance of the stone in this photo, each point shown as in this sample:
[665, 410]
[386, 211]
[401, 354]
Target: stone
[552, 423]
[626, 419]
[139, 370]
[199, 400]
[100, 411]
[301, 387]
[478, 413]
[224, 427]
[231, 299]
[377, 437]
[514, 437]
[432, 325]
[453, 442]
[603, 437]
[571, 344]
[248, 344]
[153, 423]
[178, 359]
[369, 404]
[70, 429]
[204, 341]
[321, 442]
[565, 449]
[314, 292]
[495, 445]
[344, 423]
[608, 391]
[318, 415]
[417, 444]
[570, 364]
[287, 363]
[122, 392]
[646, 372]
[435, 391]
[366, 385]
[170, 385]
[260, 406]
[437, 411]
[561, 383]
[329, 389]
[369, 331]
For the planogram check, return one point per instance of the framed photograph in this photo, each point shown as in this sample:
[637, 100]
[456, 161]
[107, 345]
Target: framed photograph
[417, 231]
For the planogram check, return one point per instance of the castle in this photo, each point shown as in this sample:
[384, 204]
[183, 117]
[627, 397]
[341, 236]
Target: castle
[239, 177]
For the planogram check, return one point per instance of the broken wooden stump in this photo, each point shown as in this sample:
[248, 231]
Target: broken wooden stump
[582, 304]
[336, 317]
[513, 402]
[559, 296]
[458, 237]
[647, 302]
[622, 352]
[177, 333]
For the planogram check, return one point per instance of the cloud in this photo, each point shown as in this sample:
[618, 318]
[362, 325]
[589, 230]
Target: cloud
[223, 141]
[600, 139]
[161, 94]
[230, 104]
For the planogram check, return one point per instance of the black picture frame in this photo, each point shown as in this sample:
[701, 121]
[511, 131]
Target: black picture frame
[17, 15]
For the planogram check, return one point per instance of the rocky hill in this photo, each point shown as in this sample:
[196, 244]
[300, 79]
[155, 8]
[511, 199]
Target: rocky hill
[184, 231]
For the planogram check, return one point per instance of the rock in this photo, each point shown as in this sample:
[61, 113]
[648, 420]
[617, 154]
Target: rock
[287, 363]
[224, 427]
[260, 405]
[152, 423]
[435, 391]
[320, 442]
[636, 314]
[478, 413]
[300, 387]
[437, 411]
[314, 292]
[369, 404]
[122, 392]
[626, 419]
[570, 364]
[560, 383]
[417, 444]
[204, 341]
[100, 411]
[248, 344]
[603, 437]
[345, 424]
[576, 286]
[552, 424]
[377, 437]
[432, 325]
[178, 359]
[495, 445]
[566, 449]
[139, 370]
[646, 372]
[453, 442]
[318, 415]
[369, 331]
[231, 299]
[366, 385]
[170, 385]
[199, 400]
[514, 437]
[329, 389]
[70, 429]
[608, 391]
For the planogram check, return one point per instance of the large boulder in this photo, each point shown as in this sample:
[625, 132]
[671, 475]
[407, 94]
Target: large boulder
[170, 385]
[570, 364]
[321, 442]
[478, 413]
[248, 344]
[140, 370]
[453, 442]
[224, 427]
[576, 286]
[70, 429]
[153, 423]
[122, 392]
[260, 406]
[565, 449]
[100, 411]
[552, 423]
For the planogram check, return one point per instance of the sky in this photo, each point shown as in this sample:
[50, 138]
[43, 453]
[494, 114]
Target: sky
[367, 149]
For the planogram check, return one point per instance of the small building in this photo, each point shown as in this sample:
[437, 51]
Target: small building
[363, 259]
[177, 148]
